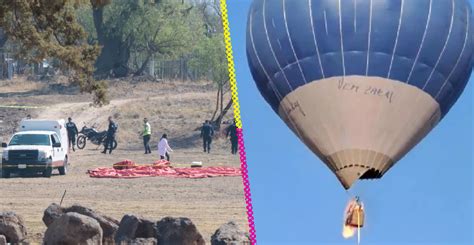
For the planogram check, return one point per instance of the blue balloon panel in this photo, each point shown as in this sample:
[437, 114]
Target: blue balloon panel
[425, 43]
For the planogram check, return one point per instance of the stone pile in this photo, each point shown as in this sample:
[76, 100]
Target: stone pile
[82, 225]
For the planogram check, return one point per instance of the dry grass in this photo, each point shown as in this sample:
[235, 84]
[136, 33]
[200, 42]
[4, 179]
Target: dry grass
[173, 107]
[209, 203]
[20, 85]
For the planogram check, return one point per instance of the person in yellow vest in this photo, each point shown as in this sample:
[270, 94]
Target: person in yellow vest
[146, 135]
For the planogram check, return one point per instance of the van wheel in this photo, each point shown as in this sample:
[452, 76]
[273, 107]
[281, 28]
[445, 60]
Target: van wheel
[47, 172]
[5, 174]
[63, 169]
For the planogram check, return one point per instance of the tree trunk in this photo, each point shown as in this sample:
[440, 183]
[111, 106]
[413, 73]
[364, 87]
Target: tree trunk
[113, 59]
[151, 67]
[114, 56]
[144, 65]
[3, 38]
[221, 88]
[221, 116]
[217, 105]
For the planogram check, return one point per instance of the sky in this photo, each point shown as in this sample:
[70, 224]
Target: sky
[427, 198]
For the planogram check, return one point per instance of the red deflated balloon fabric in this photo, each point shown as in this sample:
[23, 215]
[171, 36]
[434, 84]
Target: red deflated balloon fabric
[129, 169]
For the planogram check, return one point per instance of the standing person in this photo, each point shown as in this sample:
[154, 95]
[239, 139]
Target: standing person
[71, 133]
[164, 148]
[109, 142]
[207, 131]
[146, 135]
[232, 132]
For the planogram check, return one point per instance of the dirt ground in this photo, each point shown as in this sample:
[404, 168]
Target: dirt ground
[209, 202]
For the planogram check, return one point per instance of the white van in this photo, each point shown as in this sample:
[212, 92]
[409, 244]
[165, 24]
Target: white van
[38, 146]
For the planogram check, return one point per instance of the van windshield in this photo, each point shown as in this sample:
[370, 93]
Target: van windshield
[30, 139]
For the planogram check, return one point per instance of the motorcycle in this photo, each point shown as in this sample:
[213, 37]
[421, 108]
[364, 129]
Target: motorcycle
[94, 136]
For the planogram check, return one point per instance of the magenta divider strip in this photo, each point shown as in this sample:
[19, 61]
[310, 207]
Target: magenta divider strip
[246, 182]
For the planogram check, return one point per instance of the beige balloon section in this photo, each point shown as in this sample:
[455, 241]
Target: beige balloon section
[359, 126]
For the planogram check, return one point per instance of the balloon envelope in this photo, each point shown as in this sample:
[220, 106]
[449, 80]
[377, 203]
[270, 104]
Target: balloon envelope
[360, 82]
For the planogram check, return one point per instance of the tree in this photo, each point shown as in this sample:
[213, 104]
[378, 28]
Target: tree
[3, 38]
[210, 10]
[210, 57]
[125, 28]
[49, 29]
[173, 30]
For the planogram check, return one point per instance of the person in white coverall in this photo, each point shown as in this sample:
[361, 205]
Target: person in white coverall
[164, 148]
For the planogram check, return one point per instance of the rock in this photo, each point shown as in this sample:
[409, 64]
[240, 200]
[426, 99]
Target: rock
[146, 229]
[132, 227]
[109, 225]
[140, 241]
[3, 240]
[178, 231]
[12, 227]
[229, 234]
[144, 241]
[53, 212]
[127, 228]
[73, 228]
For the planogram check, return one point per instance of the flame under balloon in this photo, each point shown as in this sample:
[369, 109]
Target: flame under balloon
[348, 231]
[353, 218]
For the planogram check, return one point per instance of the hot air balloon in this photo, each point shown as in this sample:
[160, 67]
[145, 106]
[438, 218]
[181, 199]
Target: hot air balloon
[360, 82]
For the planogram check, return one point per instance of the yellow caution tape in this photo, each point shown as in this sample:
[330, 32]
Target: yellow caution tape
[22, 107]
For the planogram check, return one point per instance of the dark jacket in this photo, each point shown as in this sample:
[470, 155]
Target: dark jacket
[71, 128]
[207, 130]
[112, 129]
[232, 131]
